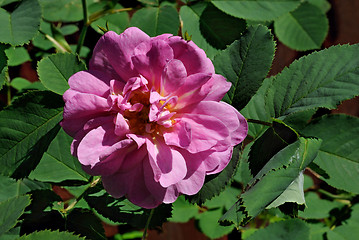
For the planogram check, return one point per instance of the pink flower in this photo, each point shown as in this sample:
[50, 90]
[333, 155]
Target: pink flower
[147, 117]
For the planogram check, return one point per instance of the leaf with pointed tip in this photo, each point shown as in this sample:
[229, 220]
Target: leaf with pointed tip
[55, 70]
[53, 235]
[321, 79]
[10, 210]
[245, 63]
[22, 24]
[27, 128]
[339, 154]
[303, 29]
[273, 180]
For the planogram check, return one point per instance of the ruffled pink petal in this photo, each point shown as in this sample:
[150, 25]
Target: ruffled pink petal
[234, 121]
[173, 76]
[169, 166]
[94, 82]
[194, 58]
[196, 172]
[149, 59]
[179, 135]
[112, 53]
[166, 195]
[121, 126]
[80, 108]
[217, 161]
[218, 86]
[192, 90]
[206, 132]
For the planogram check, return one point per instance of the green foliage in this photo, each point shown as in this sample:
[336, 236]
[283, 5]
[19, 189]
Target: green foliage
[183, 211]
[322, 79]
[157, 20]
[190, 16]
[348, 229]
[294, 229]
[245, 63]
[209, 226]
[57, 164]
[117, 22]
[3, 65]
[10, 210]
[220, 29]
[62, 10]
[258, 10]
[22, 24]
[53, 235]
[17, 56]
[339, 154]
[27, 128]
[303, 29]
[55, 70]
[273, 180]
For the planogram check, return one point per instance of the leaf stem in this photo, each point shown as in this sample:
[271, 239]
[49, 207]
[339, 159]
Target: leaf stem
[84, 28]
[259, 122]
[144, 236]
[104, 12]
[8, 86]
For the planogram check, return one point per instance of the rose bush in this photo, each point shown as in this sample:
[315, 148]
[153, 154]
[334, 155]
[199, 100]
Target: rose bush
[147, 117]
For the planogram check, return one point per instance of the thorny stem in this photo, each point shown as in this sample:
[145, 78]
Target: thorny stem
[84, 28]
[144, 236]
[259, 122]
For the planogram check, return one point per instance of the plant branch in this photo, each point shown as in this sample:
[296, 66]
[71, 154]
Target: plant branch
[84, 28]
[144, 236]
[259, 122]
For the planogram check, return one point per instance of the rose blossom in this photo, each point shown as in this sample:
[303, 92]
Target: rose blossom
[147, 117]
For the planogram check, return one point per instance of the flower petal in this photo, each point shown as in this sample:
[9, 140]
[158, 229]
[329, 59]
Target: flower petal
[218, 86]
[173, 76]
[94, 82]
[194, 59]
[179, 135]
[206, 132]
[149, 59]
[112, 53]
[168, 165]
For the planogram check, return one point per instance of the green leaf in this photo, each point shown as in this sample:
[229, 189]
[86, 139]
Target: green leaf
[117, 22]
[57, 164]
[157, 20]
[12, 234]
[62, 10]
[3, 65]
[190, 16]
[55, 70]
[220, 29]
[293, 194]
[27, 128]
[20, 83]
[321, 79]
[273, 180]
[317, 208]
[150, 2]
[243, 174]
[17, 55]
[224, 200]
[259, 10]
[323, 5]
[270, 143]
[69, 29]
[85, 223]
[11, 210]
[117, 210]
[216, 183]
[245, 63]
[53, 235]
[22, 24]
[208, 224]
[303, 29]
[339, 154]
[183, 211]
[348, 229]
[8, 188]
[293, 229]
